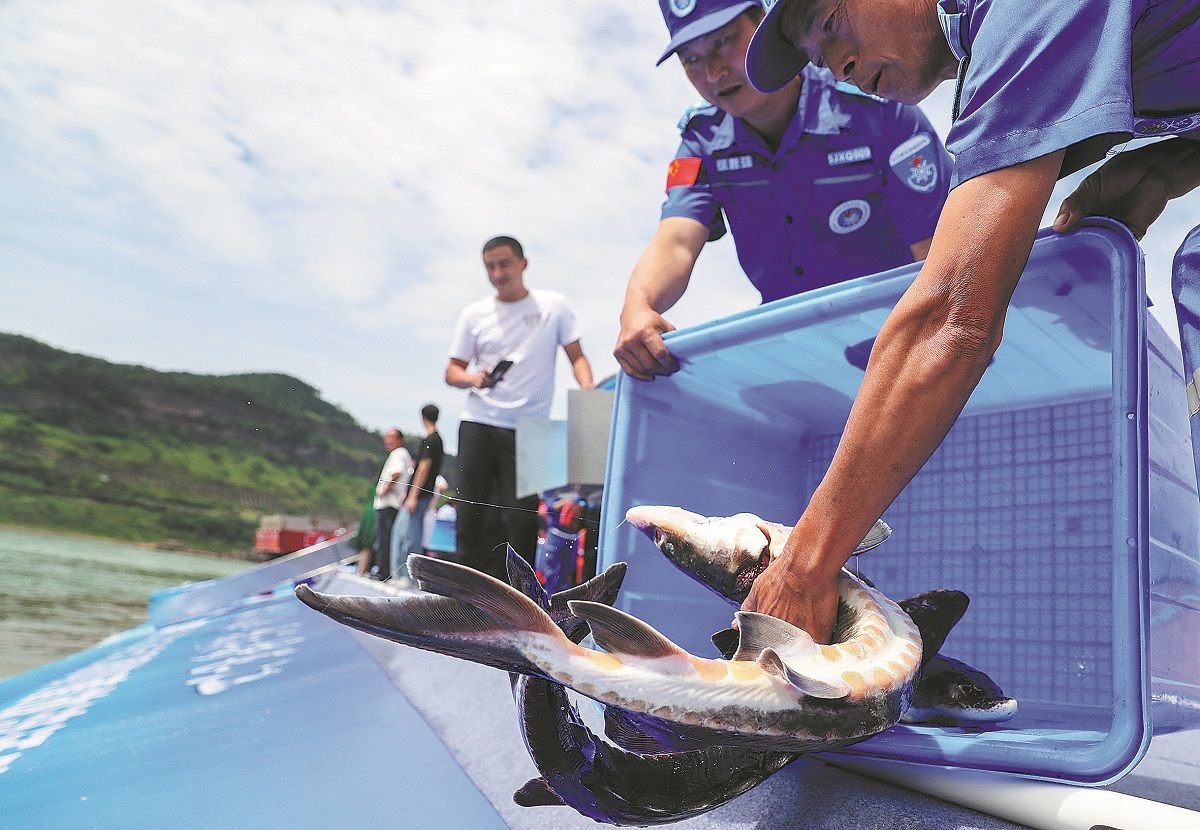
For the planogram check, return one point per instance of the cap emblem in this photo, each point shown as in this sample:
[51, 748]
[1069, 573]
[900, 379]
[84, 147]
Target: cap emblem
[682, 8]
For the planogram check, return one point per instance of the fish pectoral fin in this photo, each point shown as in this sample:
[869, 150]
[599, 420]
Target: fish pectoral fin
[537, 793]
[760, 631]
[502, 603]
[620, 633]
[875, 537]
[770, 662]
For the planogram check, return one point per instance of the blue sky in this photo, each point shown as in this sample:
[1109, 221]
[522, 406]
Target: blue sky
[303, 186]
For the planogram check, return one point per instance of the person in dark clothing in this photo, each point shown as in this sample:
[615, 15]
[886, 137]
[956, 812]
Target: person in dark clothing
[428, 466]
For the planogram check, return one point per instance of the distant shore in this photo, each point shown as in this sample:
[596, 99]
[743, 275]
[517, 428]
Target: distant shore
[168, 545]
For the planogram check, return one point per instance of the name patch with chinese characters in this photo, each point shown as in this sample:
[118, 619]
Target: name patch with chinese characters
[735, 163]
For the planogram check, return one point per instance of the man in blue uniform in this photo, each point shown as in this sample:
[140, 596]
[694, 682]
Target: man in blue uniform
[818, 182]
[1043, 89]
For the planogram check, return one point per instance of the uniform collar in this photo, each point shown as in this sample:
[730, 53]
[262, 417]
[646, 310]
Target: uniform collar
[818, 111]
[952, 20]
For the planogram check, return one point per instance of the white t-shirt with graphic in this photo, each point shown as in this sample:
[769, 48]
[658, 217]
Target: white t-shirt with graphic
[528, 332]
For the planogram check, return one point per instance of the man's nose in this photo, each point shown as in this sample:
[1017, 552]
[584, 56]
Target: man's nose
[840, 60]
[715, 68]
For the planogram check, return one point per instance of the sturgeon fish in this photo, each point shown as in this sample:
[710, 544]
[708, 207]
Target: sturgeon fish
[781, 692]
[603, 782]
[727, 553]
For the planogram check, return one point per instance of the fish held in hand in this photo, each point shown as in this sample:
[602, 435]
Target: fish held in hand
[726, 553]
[783, 692]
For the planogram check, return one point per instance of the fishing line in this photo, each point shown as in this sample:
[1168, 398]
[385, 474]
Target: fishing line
[594, 524]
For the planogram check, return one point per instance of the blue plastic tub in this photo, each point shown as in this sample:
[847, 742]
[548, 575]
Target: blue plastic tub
[1063, 501]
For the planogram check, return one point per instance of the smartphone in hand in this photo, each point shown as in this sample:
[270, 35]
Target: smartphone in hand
[498, 371]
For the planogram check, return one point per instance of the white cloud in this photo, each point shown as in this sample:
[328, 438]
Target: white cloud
[304, 186]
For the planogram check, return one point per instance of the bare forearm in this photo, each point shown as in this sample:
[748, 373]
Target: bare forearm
[419, 479]
[583, 372]
[659, 279]
[458, 376]
[927, 360]
[665, 267]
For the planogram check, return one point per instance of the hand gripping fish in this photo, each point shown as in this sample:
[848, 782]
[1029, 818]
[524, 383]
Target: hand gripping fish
[782, 692]
[601, 781]
[727, 553]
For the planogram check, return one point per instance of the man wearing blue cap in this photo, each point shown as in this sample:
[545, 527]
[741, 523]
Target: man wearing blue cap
[819, 183]
[1043, 89]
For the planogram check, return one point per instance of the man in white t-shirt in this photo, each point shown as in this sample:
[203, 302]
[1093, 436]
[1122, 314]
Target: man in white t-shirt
[393, 482]
[513, 338]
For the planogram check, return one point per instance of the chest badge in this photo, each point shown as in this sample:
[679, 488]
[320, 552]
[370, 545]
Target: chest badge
[849, 216]
[730, 163]
[913, 163]
[854, 155]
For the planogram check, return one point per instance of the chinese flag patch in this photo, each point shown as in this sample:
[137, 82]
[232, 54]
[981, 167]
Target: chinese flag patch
[683, 172]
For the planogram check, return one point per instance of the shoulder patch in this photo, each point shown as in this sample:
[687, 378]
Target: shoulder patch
[691, 112]
[913, 162]
[851, 89]
[683, 172]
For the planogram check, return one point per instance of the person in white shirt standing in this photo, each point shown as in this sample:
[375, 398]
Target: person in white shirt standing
[392, 484]
[513, 338]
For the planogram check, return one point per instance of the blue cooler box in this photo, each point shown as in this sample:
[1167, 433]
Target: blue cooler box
[1063, 501]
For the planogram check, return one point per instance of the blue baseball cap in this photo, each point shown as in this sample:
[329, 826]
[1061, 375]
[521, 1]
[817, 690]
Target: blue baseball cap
[772, 61]
[689, 19]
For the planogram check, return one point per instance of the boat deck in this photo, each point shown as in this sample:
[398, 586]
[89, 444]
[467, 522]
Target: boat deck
[269, 714]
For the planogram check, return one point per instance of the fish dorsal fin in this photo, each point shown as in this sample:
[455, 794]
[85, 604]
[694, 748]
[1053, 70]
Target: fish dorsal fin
[537, 793]
[760, 631]
[726, 642]
[503, 603]
[770, 662]
[522, 577]
[935, 613]
[602, 588]
[876, 536]
[621, 633]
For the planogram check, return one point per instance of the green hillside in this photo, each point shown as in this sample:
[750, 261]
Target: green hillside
[127, 452]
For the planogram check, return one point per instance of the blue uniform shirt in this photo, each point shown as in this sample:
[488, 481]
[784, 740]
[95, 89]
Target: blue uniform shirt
[1039, 77]
[855, 181]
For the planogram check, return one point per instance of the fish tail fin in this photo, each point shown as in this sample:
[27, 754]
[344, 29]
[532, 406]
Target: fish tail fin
[501, 603]
[443, 625]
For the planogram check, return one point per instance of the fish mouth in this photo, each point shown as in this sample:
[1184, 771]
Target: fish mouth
[744, 579]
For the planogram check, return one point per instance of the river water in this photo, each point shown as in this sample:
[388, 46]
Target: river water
[61, 594]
